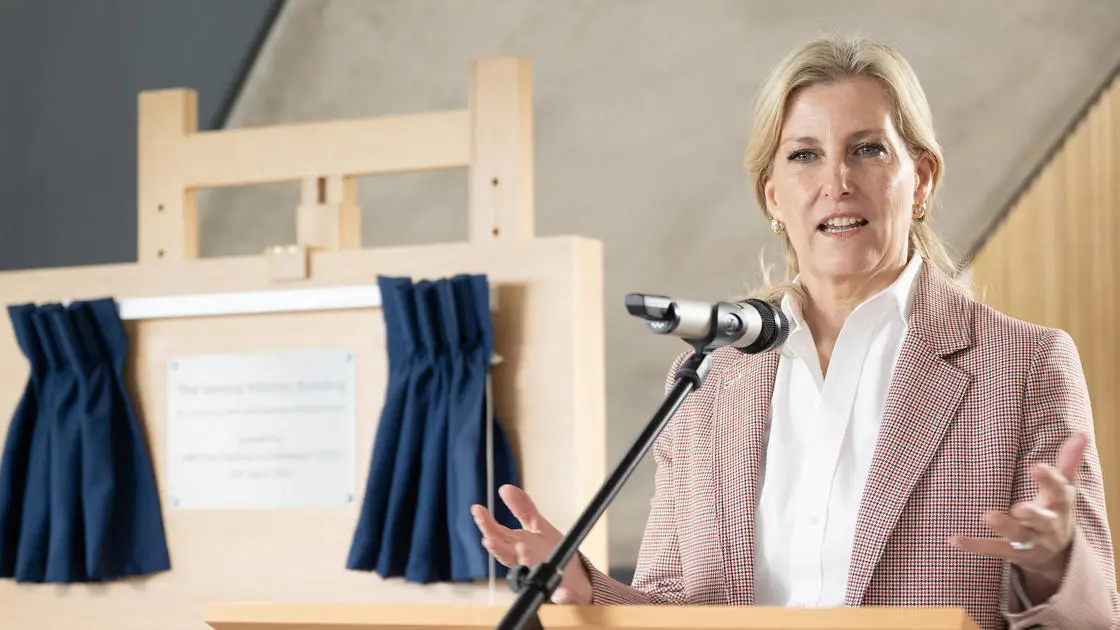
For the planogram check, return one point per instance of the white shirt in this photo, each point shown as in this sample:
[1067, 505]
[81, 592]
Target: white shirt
[822, 434]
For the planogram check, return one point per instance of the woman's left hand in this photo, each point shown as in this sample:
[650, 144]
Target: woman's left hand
[1037, 535]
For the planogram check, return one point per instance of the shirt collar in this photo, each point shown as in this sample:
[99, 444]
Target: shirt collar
[900, 293]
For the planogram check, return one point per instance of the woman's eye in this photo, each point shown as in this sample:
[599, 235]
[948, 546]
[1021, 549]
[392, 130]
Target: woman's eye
[803, 155]
[872, 149]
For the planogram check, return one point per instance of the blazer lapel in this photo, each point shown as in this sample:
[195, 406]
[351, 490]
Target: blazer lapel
[923, 398]
[742, 418]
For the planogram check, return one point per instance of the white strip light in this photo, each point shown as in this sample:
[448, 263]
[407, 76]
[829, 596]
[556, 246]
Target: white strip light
[249, 302]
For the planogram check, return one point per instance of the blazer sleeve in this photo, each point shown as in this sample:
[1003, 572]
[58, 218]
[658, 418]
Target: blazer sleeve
[657, 578]
[1056, 405]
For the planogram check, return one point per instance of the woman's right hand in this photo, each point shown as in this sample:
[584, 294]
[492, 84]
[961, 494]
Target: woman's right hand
[530, 545]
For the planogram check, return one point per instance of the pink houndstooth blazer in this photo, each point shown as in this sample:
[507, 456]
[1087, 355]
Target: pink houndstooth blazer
[977, 397]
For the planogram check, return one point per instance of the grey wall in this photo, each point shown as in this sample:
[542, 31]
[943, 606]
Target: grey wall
[641, 117]
[70, 72]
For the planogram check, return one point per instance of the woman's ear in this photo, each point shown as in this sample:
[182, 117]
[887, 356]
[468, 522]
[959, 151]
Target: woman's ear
[925, 167]
[771, 200]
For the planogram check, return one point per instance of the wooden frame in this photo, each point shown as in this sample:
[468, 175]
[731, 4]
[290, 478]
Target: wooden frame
[549, 388]
[493, 138]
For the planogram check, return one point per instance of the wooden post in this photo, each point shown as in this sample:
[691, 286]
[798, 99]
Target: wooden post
[501, 179]
[167, 225]
[328, 217]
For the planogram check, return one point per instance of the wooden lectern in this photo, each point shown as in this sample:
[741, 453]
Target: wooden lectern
[414, 617]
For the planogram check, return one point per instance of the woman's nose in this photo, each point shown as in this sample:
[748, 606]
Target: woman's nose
[837, 182]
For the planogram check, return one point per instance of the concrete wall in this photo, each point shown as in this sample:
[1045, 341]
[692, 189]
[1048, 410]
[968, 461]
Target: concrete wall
[641, 117]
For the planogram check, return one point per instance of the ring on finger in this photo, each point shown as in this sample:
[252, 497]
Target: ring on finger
[1022, 545]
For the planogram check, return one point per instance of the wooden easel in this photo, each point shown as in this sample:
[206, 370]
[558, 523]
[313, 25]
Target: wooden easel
[549, 330]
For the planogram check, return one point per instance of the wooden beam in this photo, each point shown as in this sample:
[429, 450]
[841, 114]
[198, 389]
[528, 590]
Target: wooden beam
[389, 144]
[167, 226]
[501, 180]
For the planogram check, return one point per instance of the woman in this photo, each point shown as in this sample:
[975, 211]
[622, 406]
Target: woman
[908, 446]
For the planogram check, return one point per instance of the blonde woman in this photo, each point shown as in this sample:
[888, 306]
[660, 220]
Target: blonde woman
[908, 446]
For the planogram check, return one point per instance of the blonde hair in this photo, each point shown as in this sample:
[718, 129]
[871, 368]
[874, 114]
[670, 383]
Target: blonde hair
[831, 58]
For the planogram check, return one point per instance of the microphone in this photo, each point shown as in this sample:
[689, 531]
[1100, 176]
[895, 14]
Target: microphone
[752, 325]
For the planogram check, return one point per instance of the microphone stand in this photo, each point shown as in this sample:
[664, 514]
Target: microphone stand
[536, 585]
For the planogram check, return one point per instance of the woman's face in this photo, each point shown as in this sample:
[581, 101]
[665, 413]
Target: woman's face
[843, 182]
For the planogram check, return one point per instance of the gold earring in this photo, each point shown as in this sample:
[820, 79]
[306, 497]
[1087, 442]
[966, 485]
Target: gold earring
[777, 226]
[919, 212]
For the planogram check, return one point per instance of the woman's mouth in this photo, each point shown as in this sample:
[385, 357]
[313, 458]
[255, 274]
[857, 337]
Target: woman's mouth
[842, 225]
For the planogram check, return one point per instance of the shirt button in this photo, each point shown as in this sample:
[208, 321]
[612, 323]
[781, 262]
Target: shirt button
[812, 521]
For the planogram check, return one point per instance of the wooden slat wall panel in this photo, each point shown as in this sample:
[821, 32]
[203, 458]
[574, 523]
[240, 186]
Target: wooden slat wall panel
[1052, 261]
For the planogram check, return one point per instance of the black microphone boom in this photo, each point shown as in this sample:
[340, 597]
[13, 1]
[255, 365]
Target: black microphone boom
[752, 326]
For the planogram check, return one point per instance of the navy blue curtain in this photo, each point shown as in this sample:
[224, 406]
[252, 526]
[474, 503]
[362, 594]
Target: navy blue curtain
[429, 456]
[466, 445]
[396, 308]
[78, 497]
